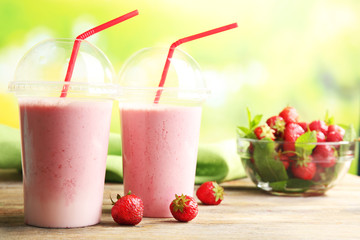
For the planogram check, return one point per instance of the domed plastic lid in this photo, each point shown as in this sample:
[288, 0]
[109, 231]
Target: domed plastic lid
[140, 76]
[42, 71]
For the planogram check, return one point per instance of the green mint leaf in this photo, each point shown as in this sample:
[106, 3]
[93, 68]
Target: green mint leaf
[251, 135]
[278, 186]
[248, 132]
[255, 122]
[291, 185]
[243, 131]
[302, 146]
[329, 120]
[298, 185]
[269, 169]
[249, 117]
[308, 137]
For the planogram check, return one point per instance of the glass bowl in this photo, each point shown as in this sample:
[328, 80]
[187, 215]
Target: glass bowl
[316, 168]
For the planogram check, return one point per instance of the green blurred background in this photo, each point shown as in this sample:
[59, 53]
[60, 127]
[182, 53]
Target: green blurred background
[303, 53]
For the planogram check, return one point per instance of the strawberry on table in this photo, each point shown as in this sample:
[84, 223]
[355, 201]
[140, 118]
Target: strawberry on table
[127, 210]
[289, 114]
[184, 208]
[210, 193]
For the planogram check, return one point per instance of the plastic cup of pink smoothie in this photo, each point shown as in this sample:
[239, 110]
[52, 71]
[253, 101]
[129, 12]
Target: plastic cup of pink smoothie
[64, 140]
[160, 140]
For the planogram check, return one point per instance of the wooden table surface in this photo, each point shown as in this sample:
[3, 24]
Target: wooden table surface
[245, 213]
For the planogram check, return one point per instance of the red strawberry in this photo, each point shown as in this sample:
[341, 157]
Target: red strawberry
[291, 133]
[184, 208]
[335, 133]
[320, 137]
[324, 156]
[210, 193]
[318, 125]
[304, 125]
[336, 128]
[127, 210]
[304, 170]
[276, 123]
[264, 131]
[334, 137]
[289, 114]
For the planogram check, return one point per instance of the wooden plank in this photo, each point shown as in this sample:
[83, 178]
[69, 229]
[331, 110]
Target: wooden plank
[245, 213]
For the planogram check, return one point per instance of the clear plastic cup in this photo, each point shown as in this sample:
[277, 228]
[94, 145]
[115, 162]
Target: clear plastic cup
[64, 140]
[160, 140]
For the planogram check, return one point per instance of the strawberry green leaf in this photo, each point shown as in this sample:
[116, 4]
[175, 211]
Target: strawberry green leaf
[308, 137]
[302, 146]
[179, 203]
[218, 192]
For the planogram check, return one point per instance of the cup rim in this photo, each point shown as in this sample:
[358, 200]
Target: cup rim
[151, 89]
[40, 88]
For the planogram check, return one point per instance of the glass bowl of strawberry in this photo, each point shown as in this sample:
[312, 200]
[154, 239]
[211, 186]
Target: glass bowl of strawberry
[285, 156]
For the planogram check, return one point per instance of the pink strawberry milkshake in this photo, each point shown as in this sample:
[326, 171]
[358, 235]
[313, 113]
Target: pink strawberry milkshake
[64, 150]
[160, 144]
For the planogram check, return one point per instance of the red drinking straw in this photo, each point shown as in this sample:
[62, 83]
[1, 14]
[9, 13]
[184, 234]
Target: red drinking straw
[85, 35]
[181, 41]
